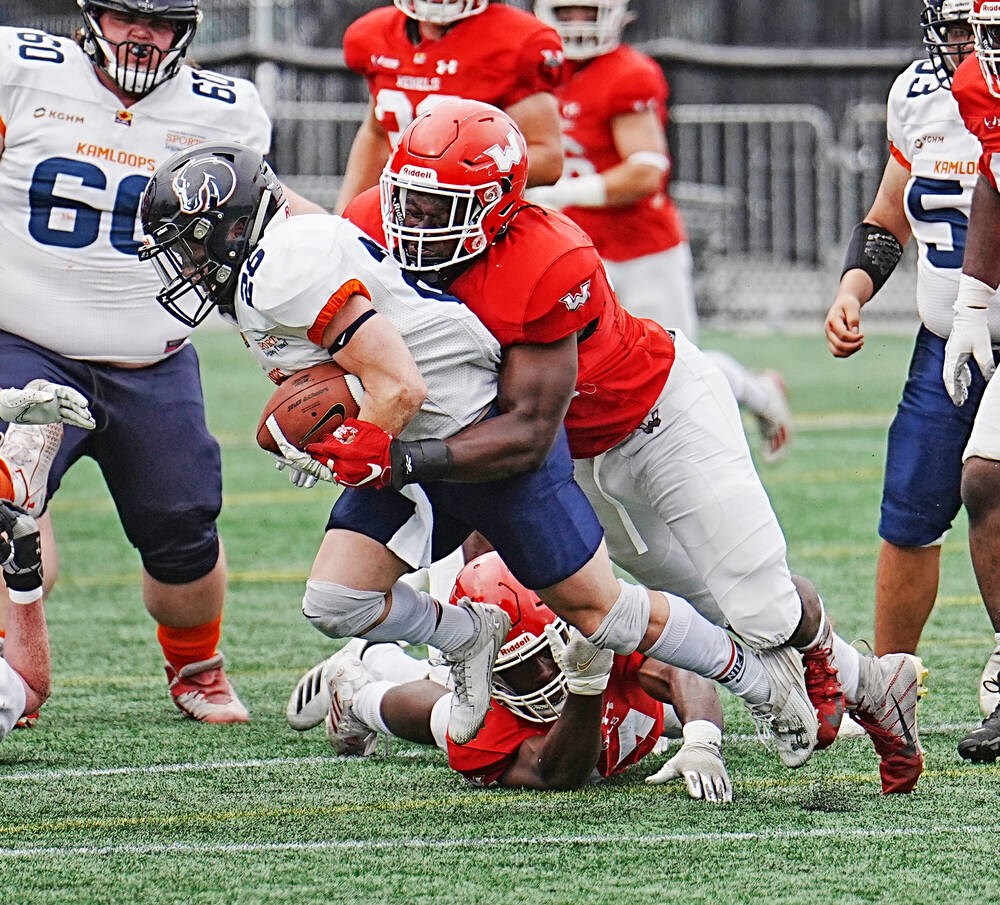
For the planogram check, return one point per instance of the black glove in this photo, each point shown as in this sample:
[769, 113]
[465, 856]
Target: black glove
[21, 552]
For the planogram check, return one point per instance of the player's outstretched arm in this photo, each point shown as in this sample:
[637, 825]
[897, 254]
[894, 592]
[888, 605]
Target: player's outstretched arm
[369, 154]
[565, 757]
[866, 261]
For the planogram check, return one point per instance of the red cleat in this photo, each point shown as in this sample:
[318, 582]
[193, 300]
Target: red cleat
[202, 691]
[824, 689]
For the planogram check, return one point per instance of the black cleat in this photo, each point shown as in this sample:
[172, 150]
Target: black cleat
[982, 745]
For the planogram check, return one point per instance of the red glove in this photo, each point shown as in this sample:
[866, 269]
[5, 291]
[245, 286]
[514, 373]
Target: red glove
[357, 453]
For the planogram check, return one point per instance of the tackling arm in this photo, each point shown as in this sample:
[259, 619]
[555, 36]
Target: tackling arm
[536, 385]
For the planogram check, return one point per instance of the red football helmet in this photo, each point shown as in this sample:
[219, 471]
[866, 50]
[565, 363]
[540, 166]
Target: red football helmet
[453, 183]
[441, 12]
[486, 579]
[985, 22]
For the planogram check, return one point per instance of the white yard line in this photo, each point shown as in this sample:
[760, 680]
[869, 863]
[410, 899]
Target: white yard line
[368, 845]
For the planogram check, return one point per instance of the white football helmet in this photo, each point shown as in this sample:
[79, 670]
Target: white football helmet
[586, 39]
[985, 22]
[947, 35]
[441, 12]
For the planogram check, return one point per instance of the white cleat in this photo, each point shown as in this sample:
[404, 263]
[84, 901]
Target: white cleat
[28, 451]
[202, 691]
[347, 734]
[788, 719]
[310, 700]
[989, 685]
[472, 670]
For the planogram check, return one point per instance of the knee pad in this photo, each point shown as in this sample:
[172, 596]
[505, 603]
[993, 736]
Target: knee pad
[183, 565]
[626, 622]
[341, 612]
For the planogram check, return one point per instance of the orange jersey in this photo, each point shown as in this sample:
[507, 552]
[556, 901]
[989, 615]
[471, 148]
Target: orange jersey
[542, 281]
[499, 56]
[630, 726]
[592, 94]
[981, 113]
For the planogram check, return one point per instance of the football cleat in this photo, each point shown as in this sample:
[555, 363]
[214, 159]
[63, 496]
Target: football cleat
[472, 670]
[28, 451]
[889, 689]
[989, 684]
[345, 677]
[787, 720]
[202, 691]
[982, 745]
[310, 700]
[823, 686]
[27, 720]
[775, 418]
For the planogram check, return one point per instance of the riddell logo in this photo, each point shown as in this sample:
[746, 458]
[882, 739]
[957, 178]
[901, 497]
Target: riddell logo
[989, 8]
[423, 173]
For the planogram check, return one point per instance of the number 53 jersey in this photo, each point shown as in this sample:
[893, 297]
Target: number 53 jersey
[73, 168]
[928, 137]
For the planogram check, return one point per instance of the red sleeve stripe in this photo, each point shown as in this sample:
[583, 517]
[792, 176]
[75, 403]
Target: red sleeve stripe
[895, 152]
[333, 304]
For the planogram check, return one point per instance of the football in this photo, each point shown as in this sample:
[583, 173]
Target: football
[310, 405]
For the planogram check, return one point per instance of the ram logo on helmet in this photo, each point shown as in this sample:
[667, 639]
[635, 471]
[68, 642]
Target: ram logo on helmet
[204, 184]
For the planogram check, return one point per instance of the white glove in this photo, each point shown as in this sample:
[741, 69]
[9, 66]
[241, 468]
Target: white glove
[587, 668]
[296, 475]
[302, 464]
[42, 402]
[969, 338]
[571, 191]
[699, 762]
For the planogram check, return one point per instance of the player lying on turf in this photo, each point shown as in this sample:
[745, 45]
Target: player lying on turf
[563, 714]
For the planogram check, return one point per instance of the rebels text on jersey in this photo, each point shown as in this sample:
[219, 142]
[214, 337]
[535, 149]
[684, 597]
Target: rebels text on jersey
[927, 137]
[631, 724]
[500, 56]
[305, 268]
[73, 169]
[542, 281]
[592, 94]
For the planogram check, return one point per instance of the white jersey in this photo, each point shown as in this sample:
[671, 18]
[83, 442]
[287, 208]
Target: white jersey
[12, 698]
[74, 166]
[928, 137]
[306, 267]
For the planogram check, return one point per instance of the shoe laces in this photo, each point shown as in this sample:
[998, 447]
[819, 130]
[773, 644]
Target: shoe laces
[763, 720]
[992, 685]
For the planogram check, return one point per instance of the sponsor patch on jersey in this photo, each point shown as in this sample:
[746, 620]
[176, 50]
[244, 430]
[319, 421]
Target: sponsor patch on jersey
[574, 300]
[380, 59]
[179, 141]
[61, 116]
[123, 118]
[269, 345]
[955, 168]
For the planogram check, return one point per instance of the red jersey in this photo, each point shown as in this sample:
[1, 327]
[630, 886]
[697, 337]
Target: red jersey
[542, 281]
[631, 724]
[981, 113]
[593, 93]
[500, 56]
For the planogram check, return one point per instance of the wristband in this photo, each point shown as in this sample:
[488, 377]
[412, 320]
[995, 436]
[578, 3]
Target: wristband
[702, 732]
[415, 461]
[874, 250]
[25, 597]
[585, 191]
[650, 159]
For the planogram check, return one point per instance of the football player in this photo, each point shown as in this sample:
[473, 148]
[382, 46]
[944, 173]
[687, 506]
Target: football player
[925, 192]
[563, 712]
[315, 288]
[612, 107]
[976, 87]
[652, 424]
[417, 53]
[24, 666]
[82, 127]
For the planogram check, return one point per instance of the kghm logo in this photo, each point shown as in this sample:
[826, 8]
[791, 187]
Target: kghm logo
[204, 184]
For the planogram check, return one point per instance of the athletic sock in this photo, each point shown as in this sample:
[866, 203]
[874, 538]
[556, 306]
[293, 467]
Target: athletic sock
[847, 661]
[388, 661]
[182, 646]
[367, 704]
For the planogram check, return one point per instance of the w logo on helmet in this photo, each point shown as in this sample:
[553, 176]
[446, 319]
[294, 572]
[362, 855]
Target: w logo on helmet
[204, 184]
[507, 157]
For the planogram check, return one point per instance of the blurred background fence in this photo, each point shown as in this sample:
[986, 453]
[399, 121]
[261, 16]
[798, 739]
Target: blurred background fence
[777, 126]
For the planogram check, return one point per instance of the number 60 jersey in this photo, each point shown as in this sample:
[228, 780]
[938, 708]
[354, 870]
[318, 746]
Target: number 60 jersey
[928, 137]
[74, 165]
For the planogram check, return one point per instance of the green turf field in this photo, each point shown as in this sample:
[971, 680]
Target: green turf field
[115, 798]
